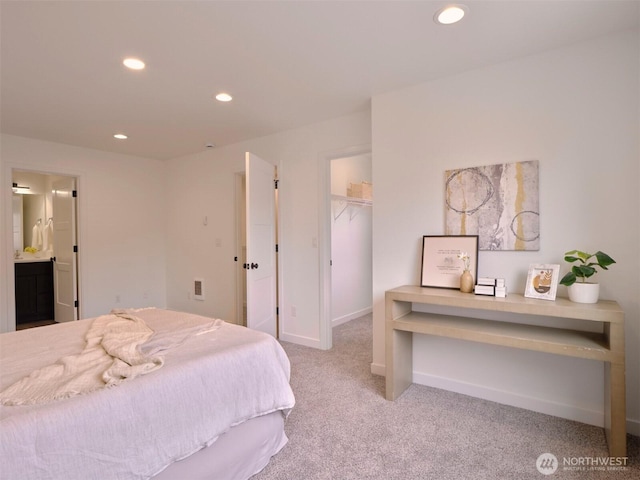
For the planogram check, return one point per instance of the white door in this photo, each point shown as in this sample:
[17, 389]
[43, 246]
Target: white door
[261, 250]
[64, 243]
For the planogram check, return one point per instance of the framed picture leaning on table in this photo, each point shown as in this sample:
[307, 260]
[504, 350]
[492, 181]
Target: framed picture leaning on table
[441, 259]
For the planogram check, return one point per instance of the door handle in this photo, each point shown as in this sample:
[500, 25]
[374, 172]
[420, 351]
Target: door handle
[254, 265]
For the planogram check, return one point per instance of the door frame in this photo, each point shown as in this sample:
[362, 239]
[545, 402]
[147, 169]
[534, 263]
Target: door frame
[8, 315]
[324, 234]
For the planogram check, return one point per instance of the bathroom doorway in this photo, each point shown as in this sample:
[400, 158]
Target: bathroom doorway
[45, 246]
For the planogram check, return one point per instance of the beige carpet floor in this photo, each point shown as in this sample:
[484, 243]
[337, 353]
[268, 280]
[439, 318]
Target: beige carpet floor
[343, 428]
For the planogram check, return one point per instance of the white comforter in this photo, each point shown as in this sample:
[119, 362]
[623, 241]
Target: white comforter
[212, 379]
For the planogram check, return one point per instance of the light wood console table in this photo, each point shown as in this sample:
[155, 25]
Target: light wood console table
[608, 346]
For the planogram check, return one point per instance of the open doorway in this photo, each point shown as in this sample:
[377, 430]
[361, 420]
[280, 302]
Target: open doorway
[45, 249]
[351, 234]
[326, 219]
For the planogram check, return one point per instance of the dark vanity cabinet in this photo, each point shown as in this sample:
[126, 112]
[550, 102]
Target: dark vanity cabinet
[34, 291]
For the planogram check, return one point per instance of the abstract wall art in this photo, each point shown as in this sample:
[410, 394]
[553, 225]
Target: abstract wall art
[499, 203]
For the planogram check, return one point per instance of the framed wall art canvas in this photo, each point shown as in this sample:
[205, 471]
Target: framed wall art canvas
[499, 203]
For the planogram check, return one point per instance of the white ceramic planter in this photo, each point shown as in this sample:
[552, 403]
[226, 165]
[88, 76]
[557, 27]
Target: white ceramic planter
[584, 292]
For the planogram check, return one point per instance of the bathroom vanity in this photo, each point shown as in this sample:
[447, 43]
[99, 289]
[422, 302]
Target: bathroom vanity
[34, 289]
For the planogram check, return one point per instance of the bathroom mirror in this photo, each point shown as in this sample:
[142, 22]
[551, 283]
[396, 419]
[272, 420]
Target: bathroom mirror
[27, 210]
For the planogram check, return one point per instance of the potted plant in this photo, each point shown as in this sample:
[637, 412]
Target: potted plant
[583, 291]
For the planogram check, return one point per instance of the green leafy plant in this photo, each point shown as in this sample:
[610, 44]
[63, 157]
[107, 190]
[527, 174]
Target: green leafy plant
[587, 266]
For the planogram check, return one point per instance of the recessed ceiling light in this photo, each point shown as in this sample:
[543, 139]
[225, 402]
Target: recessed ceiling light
[450, 14]
[120, 136]
[133, 63]
[224, 97]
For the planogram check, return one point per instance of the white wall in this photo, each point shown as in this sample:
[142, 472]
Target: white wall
[576, 111]
[203, 185]
[121, 210]
[351, 270]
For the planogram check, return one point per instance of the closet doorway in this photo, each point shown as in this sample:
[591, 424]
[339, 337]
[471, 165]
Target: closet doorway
[345, 238]
[44, 239]
[351, 204]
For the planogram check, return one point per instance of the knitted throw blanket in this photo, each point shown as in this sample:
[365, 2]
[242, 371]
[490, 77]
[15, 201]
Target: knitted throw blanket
[111, 356]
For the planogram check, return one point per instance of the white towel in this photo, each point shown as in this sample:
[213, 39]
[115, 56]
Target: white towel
[111, 356]
[36, 237]
[47, 237]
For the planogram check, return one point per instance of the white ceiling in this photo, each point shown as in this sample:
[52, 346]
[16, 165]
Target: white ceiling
[287, 63]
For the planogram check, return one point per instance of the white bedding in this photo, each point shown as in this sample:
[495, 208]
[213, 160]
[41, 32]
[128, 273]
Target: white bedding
[211, 380]
[112, 355]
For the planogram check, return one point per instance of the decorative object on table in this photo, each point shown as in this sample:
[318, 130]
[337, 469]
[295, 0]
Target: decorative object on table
[542, 281]
[466, 279]
[488, 290]
[583, 291]
[501, 292]
[499, 203]
[441, 266]
[501, 288]
[488, 286]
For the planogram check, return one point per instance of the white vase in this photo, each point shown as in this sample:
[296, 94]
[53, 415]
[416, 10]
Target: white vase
[584, 292]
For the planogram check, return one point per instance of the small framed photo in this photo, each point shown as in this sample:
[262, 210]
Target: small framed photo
[445, 257]
[542, 281]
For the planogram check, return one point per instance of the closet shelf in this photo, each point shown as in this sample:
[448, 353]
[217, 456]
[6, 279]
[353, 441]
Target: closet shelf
[354, 205]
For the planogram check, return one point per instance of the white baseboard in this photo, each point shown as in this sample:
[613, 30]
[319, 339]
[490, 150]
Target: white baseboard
[547, 407]
[351, 316]
[315, 342]
[378, 369]
[300, 340]
[570, 412]
[633, 427]
[509, 398]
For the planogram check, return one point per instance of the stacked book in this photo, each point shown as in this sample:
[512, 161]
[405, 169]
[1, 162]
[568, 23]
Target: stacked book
[493, 287]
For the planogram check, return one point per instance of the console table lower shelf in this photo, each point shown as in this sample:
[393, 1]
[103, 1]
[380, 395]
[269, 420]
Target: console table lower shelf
[402, 322]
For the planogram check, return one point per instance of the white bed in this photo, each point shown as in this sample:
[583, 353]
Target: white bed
[214, 410]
